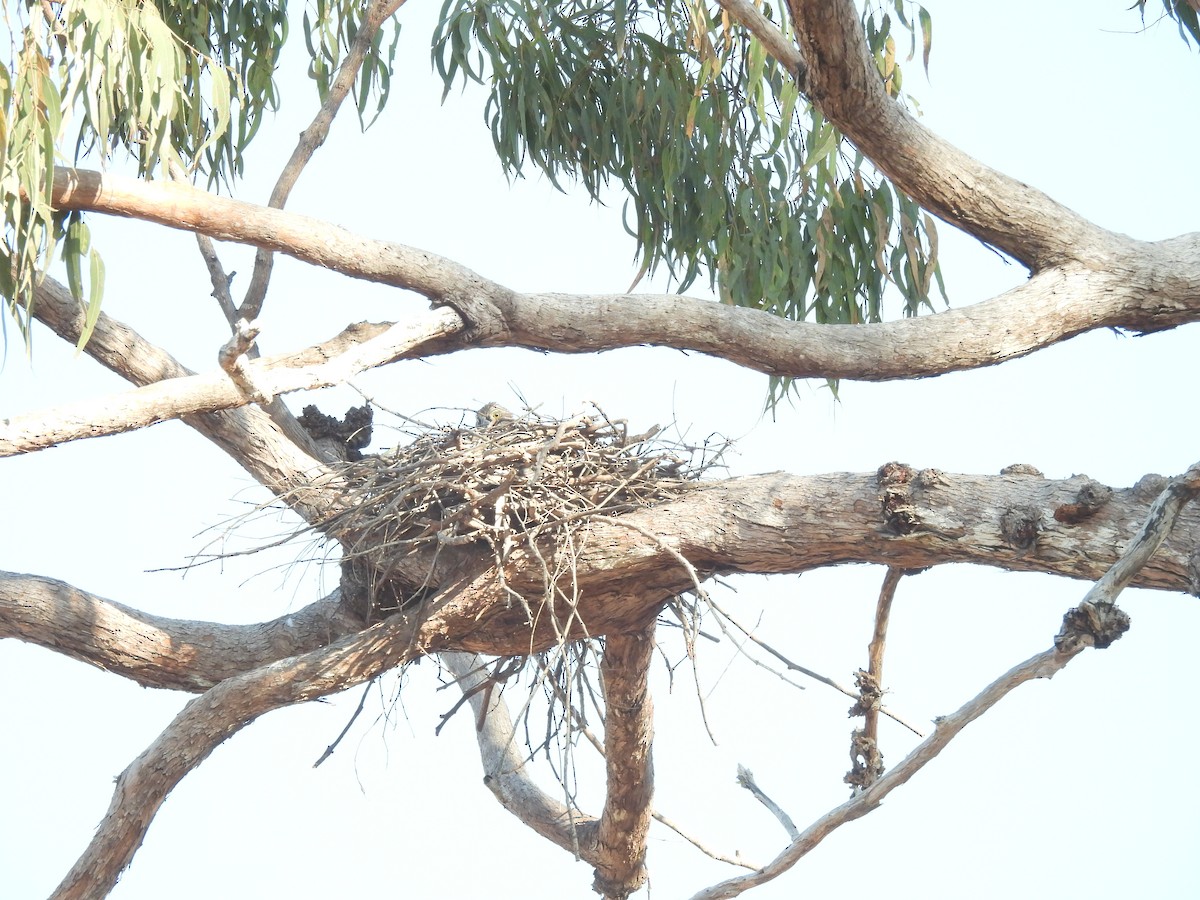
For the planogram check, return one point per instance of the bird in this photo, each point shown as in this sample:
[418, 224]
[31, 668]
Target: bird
[492, 414]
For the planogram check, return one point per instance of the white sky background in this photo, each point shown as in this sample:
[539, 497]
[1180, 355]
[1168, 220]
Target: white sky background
[1078, 786]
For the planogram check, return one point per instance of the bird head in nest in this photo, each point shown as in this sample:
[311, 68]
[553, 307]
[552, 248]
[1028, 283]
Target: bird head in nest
[492, 414]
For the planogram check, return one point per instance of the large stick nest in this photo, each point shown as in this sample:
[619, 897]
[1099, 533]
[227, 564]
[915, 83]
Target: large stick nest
[506, 483]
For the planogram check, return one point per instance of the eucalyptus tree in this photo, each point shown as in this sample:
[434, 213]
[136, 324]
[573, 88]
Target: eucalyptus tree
[770, 153]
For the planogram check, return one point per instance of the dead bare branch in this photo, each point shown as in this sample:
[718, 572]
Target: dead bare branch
[803, 670]
[746, 779]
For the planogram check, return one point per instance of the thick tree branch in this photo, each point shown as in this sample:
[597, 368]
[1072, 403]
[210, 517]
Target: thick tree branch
[155, 651]
[1142, 287]
[210, 719]
[356, 349]
[313, 137]
[628, 737]
[898, 517]
[1096, 622]
[844, 82]
[765, 524]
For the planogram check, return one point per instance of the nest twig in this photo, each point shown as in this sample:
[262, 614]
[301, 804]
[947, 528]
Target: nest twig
[503, 485]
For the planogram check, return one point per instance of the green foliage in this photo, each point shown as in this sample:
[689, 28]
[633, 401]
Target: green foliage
[160, 80]
[1183, 12]
[728, 172]
[329, 30]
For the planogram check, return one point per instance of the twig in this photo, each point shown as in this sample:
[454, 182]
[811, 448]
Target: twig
[746, 779]
[362, 701]
[221, 282]
[706, 850]
[313, 137]
[816, 676]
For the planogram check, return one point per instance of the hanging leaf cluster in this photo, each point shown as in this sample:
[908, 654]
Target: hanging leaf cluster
[728, 173]
[1185, 14]
[329, 30]
[161, 81]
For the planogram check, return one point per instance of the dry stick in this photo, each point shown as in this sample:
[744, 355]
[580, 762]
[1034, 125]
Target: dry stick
[746, 779]
[721, 613]
[864, 748]
[362, 701]
[313, 137]
[1096, 609]
[796, 667]
[216, 272]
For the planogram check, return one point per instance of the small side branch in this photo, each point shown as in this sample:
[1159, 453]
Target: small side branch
[746, 779]
[628, 736]
[864, 748]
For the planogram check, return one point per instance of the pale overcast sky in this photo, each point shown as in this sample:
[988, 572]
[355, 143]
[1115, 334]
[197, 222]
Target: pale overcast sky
[1080, 786]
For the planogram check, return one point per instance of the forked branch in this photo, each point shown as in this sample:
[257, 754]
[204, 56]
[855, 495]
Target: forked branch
[1096, 622]
[844, 82]
[222, 711]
